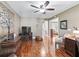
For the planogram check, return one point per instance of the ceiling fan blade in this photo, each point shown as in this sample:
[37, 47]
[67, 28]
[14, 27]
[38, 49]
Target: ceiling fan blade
[46, 3]
[50, 9]
[36, 11]
[34, 6]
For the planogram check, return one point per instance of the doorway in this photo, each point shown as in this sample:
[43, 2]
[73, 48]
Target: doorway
[53, 33]
[54, 25]
[49, 43]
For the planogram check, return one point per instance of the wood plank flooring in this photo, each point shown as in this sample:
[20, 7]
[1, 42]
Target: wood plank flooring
[61, 53]
[32, 48]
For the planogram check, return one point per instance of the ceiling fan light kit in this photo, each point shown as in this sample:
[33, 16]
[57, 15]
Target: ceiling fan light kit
[42, 10]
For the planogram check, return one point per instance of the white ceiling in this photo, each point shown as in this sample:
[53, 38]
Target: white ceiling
[24, 9]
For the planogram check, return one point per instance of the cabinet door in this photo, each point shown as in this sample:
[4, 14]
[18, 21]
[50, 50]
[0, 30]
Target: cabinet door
[70, 46]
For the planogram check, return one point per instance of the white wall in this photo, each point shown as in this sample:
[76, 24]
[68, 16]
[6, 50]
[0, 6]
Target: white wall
[39, 27]
[72, 16]
[17, 24]
[45, 28]
[35, 23]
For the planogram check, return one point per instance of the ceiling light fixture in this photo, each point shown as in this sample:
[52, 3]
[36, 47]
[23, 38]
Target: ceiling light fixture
[42, 10]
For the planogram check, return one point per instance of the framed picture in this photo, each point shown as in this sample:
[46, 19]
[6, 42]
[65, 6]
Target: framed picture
[63, 24]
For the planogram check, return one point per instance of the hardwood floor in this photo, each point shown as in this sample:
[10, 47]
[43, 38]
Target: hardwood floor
[32, 48]
[61, 53]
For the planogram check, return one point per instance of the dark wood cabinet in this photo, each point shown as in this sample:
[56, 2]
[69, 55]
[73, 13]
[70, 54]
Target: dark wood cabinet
[71, 47]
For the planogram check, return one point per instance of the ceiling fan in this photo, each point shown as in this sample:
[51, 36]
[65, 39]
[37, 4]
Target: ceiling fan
[42, 8]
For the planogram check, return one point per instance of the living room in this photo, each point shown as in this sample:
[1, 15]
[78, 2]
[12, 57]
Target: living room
[28, 29]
